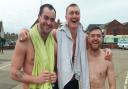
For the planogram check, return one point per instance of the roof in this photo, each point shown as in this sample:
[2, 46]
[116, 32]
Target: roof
[104, 26]
[113, 22]
[125, 24]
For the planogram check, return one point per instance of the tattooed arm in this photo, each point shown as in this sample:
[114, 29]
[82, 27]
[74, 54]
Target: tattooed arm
[18, 60]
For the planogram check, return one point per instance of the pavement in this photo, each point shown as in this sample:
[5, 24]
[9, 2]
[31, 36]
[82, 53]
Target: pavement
[5, 58]
[120, 60]
[17, 87]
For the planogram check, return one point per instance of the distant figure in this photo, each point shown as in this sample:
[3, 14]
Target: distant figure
[2, 42]
[99, 69]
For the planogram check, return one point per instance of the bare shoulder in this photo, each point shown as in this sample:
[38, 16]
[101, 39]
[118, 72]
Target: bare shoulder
[22, 44]
[21, 47]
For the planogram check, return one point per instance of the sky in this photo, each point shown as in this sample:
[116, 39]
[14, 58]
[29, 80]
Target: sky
[18, 14]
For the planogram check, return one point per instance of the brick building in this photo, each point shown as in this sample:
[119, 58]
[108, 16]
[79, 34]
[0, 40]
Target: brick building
[116, 28]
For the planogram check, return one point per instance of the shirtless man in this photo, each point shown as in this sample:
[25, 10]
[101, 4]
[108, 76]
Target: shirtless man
[23, 60]
[99, 69]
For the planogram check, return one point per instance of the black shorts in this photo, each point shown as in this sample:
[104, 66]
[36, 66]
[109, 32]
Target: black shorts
[72, 84]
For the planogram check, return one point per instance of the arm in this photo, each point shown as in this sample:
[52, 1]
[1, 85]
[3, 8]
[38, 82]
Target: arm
[18, 59]
[23, 35]
[111, 76]
[55, 47]
[86, 41]
[17, 65]
[55, 56]
[54, 34]
[53, 74]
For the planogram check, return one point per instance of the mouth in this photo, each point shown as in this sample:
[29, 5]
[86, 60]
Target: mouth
[95, 42]
[74, 20]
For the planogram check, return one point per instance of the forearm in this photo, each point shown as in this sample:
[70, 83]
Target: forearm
[112, 87]
[23, 77]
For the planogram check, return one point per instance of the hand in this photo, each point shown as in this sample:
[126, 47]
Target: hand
[23, 35]
[43, 77]
[53, 77]
[108, 54]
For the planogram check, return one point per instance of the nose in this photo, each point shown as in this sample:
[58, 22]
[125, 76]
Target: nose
[95, 37]
[74, 15]
[48, 22]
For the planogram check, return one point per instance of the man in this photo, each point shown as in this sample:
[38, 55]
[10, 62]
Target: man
[99, 69]
[33, 59]
[72, 64]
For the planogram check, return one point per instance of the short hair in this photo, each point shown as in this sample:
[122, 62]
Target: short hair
[48, 6]
[71, 5]
[94, 28]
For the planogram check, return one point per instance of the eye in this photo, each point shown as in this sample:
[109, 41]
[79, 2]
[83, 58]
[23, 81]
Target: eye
[52, 19]
[71, 13]
[92, 35]
[77, 13]
[46, 17]
[98, 35]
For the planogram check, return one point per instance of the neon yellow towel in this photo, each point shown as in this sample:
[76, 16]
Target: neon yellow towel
[44, 56]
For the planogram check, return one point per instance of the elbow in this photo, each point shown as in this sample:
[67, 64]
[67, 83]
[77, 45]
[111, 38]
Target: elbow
[13, 75]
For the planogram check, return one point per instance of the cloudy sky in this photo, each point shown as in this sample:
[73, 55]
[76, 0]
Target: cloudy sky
[17, 14]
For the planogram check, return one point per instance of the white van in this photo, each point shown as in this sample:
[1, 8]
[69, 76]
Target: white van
[123, 44]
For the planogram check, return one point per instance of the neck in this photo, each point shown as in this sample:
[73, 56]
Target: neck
[42, 34]
[73, 32]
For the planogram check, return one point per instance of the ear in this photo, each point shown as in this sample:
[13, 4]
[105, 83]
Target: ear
[38, 17]
[66, 17]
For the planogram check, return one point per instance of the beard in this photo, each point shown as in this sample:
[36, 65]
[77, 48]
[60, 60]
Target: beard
[95, 47]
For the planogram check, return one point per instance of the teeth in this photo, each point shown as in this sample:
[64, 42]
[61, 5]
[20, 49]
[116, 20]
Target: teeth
[74, 20]
[95, 43]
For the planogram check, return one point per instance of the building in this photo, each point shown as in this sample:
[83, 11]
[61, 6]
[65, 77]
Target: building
[116, 31]
[1, 30]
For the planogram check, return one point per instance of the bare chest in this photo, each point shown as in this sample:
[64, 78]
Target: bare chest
[98, 68]
[97, 74]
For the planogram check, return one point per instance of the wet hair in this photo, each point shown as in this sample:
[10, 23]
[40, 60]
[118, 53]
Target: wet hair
[49, 6]
[71, 5]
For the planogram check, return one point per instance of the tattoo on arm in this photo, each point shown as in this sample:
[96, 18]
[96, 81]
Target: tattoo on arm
[19, 74]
